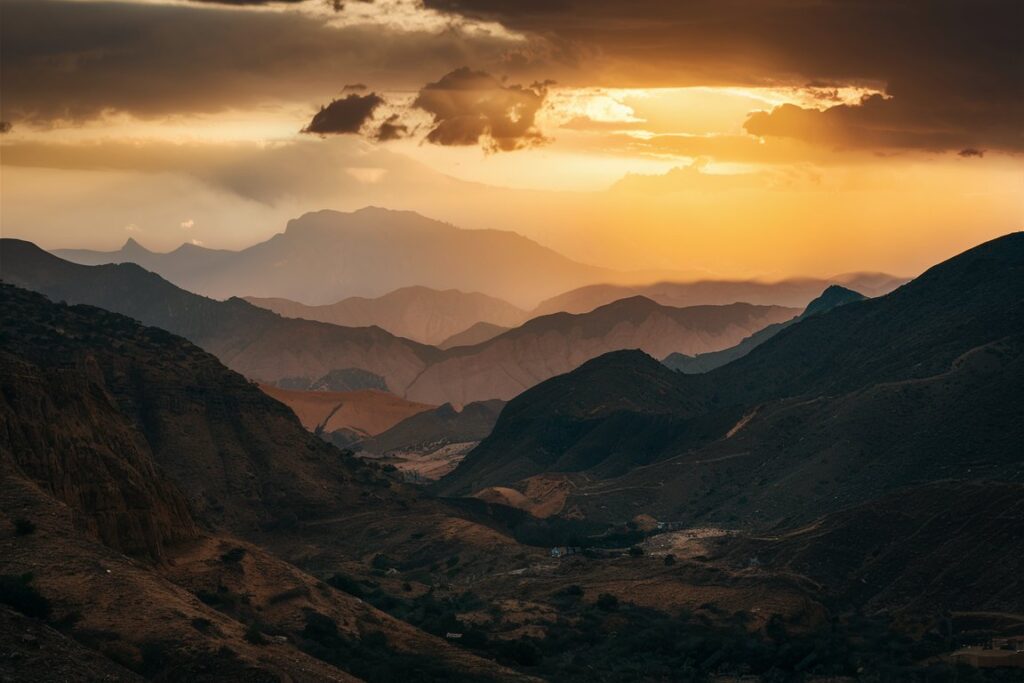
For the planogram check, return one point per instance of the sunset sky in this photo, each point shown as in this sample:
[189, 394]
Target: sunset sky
[728, 138]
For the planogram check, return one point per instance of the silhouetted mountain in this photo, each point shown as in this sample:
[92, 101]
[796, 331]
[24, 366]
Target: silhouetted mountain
[473, 335]
[325, 256]
[796, 292]
[703, 362]
[543, 347]
[418, 313]
[841, 407]
[256, 342]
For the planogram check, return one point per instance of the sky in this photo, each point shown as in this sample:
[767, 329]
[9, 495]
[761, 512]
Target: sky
[724, 138]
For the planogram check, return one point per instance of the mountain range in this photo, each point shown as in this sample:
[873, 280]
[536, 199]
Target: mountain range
[326, 256]
[418, 313]
[797, 292]
[837, 409]
[302, 354]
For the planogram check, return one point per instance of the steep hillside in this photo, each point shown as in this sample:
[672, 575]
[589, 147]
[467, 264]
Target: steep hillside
[325, 256]
[418, 313]
[250, 340]
[119, 438]
[505, 366]
[794, 293]
[703, 362]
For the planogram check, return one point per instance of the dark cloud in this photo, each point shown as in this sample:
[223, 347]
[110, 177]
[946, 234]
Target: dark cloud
[5, 127]
[472, 107]
[392, 129]
[346, 115]
[247, 3]
[952, 67]
[74, 61]
[971, 152]
[355, 87]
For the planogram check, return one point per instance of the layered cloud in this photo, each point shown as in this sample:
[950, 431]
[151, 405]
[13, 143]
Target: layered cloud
[472, 107]
[345, 115]
[951, 69]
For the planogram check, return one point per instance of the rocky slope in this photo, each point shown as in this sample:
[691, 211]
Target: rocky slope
[122, 439]
[419, 313]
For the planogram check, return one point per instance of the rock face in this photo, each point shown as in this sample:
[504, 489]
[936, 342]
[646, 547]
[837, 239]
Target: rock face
[325, 256]
[48, 413]
[507, 365]
[422, 314]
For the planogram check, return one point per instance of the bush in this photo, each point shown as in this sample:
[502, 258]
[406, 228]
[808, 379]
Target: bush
[233, 556]
[670, 560]
[254, 635]
[18, 593]
[636, 551]
[24, 527]
[607, 602]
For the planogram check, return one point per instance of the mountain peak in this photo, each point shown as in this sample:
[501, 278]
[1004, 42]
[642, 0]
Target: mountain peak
[834, 295]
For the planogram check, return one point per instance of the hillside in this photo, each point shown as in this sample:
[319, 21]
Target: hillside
[253, 341]
[132, 462]
[473, 335]
[703, 362]
[797, 293]
[836, 409]
[325, 256]
[418, 313]
[512, 362]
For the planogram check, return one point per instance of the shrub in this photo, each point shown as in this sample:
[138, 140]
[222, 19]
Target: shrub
[24, 527]
[18, 593]
[254, 635]
[636, 551]
[670, 560]
[607, 602]
[233, 556]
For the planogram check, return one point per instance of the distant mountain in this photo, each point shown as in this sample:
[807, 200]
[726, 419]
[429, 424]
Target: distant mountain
[431, 429]
[796, 292]
[473, 335]
[512, 362]
[253, 341]
[837, 409]
[418, 313]
[703, 362]
[326, 256]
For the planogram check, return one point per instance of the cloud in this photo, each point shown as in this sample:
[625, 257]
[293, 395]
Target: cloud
[188, 224]
[472, 107]
[392, 129]
[951, 68]
[344, 116]
[74, 61]
[5, 127]
[971, 152]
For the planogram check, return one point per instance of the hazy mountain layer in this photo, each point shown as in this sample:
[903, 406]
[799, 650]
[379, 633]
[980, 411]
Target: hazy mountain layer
[418, 313]
[508, 364]
[325, 256]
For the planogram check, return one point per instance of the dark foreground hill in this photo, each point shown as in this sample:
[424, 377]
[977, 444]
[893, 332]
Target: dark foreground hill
[135, 468]
[919, 385]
